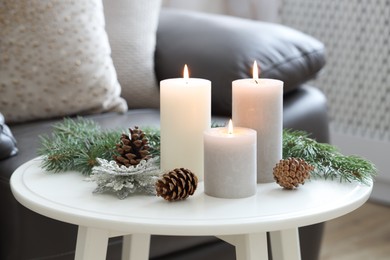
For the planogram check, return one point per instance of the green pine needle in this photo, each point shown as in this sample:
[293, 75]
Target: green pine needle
[328, 161]
[153, 135]
[75, 145]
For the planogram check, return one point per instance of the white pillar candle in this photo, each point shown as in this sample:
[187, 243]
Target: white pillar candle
[185, 107]
[230, 162]
[258, 104]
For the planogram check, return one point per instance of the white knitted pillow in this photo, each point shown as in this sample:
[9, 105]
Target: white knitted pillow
[131, 26]
[55, 60]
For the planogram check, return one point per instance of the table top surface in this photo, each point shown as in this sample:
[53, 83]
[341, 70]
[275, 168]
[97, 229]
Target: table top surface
[69, 197]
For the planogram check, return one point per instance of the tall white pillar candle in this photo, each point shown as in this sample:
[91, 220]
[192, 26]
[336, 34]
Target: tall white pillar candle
[258, 104]
[185, 107]
[230, 162]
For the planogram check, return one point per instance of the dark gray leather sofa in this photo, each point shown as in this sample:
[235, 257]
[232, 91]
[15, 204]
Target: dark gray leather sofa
[217, 48]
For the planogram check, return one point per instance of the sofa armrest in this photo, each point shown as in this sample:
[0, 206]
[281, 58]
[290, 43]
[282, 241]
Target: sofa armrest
[223, 48]
[7, 140]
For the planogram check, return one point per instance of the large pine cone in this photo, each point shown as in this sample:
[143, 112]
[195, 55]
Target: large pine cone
[133, 148]
[177, 184]
[291, 172]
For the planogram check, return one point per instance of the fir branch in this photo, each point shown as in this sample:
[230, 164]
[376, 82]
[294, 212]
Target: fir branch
[153, 135]
[76, 130]
[57, 154]
[328, 161]
[215, 124]
[75, 145]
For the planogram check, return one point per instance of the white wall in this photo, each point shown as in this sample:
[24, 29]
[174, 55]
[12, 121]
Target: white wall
[377, 152]
[212, 6]
[264, 10]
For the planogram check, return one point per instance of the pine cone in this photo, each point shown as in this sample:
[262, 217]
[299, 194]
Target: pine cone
[177, 184]
[291, 172]
[133, 148]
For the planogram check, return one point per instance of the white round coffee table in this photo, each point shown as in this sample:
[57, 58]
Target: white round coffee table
[242, 222]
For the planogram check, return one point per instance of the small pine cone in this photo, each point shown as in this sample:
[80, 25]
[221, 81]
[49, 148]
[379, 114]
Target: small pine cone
[291, 172]
[177, 184]
[133, 148]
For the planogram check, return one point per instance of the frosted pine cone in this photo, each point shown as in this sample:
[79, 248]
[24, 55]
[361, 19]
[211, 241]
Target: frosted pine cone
[291, 172]
[177, 184]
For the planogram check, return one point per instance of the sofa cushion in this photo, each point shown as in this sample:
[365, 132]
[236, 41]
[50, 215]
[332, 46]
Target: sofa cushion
[131, 26]
[55, 60]
[223, 49]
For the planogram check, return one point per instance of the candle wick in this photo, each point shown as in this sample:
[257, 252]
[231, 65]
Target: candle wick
[256, 81]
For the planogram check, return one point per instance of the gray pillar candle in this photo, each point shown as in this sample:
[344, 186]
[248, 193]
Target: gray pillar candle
[230, 162]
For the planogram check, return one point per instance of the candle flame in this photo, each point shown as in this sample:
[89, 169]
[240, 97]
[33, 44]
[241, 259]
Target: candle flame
[255, 72]
[186, 75]
[230, 127]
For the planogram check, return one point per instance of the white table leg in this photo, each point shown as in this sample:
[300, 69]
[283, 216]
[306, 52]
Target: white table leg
[249, 246]
[91, 244]
[136, 247]
[285, 244]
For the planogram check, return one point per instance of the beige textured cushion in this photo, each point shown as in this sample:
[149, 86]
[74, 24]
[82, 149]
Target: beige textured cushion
[131, 26]
[55, 60]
